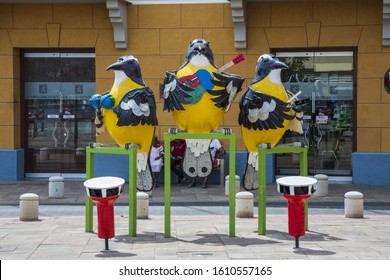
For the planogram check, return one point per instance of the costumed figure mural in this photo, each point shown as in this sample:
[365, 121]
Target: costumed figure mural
[199, 94]
[128, 112]
[267, 110]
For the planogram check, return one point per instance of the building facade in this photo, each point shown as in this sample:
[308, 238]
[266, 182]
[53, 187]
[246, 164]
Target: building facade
[54, 55]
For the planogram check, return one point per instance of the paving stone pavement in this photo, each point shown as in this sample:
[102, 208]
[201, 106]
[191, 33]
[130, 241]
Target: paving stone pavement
[200, 235]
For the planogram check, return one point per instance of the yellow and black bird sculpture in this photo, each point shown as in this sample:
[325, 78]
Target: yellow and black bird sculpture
[267, 110]
[128, 112]
[198, 94]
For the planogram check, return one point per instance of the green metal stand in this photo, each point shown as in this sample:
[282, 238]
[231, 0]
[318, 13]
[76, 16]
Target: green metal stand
[90, 160]
[280, 149]
[167, 174]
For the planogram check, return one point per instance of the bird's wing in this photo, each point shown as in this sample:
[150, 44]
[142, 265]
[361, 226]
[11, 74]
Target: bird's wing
[230, 84]
[137, 107]
[175, 93]
[260, 111]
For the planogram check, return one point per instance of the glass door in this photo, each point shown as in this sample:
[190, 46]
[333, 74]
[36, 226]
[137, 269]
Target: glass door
[60, 120]
[326, 80]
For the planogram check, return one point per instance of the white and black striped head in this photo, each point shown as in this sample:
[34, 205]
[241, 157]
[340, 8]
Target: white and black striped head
[129, 66]
[199, 53]
[268, 65]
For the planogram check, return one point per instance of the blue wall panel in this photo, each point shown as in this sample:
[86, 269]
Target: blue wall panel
[371, 168]
[11, 164]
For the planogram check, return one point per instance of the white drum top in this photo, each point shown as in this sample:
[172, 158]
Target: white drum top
[296, 181]
[104, 182]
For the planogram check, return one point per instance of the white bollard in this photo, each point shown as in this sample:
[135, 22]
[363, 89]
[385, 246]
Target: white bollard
[244, 205]
[29, 203]
[322, 185]
[142, 205]
[353, 205]
[56, 187]
[227, 184]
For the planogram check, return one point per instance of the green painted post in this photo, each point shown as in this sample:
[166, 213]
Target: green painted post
[304, 172]
[133, 192]
[167, 185]
[232, 186]
[262, 181]
[88, 202]
[167, 175]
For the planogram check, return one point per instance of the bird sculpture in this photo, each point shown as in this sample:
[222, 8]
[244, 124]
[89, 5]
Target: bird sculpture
[199, 94]
[128, 112]
[267, 110]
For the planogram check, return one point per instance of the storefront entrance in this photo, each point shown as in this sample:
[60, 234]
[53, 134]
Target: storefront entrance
[59, 120]
[326, 79]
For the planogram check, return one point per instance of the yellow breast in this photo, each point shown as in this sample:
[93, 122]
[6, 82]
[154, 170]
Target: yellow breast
[254, 137]
[140, 134]
[203, 116]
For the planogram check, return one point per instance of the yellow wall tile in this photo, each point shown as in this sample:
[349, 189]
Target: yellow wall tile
[7, 90]
[132, 16]
[291, 14]
[373, 115]
[5, 43]
[81, 38]
[73, 16]
[369, 91]
[101, 18]
[165, 118]
[286, 37]
[258, 14]
[324, 11]
[159, 16]
[221, 40]
[10, 137]
[176, 41]
[227, 16]
[102, 62]
[196, 15]
[156, 66]
[104, 85]
[7, 113]
[330, 36]
[154, 85]
[385, 96]
[6, 72]
[369, 139]
[385, 140]
[105, 44]
[231, 117]
[371, 39]
[257, 42]
[143, 41]
[368, 11]
[53, 34]
[25, 38]
[313, 33]
[29, 16]
[373, 65]
[6, 20]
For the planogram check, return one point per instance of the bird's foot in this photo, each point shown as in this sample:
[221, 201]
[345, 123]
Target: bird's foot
[250, 181]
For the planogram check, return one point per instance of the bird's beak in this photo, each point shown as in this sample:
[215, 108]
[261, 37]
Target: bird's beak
[278, 65]
[115, 66]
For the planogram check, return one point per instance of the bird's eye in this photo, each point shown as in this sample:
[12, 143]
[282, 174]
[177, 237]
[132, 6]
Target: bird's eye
[265, 58]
